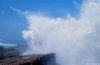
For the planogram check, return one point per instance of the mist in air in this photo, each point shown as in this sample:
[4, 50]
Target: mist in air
[75, 41]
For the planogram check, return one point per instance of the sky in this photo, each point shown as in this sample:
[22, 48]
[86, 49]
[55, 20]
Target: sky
[12, 23]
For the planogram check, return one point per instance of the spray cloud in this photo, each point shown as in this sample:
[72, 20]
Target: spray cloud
[74, 41]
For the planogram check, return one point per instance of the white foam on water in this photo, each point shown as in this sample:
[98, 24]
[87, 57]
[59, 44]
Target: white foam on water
[74, 41]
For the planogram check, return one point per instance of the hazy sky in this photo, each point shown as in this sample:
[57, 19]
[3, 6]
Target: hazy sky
[12, 23]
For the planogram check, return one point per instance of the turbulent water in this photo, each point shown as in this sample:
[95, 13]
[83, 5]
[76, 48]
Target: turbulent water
[74, 41]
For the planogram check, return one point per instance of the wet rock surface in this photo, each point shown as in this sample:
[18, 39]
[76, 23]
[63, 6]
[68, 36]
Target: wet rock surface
[35, 59]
